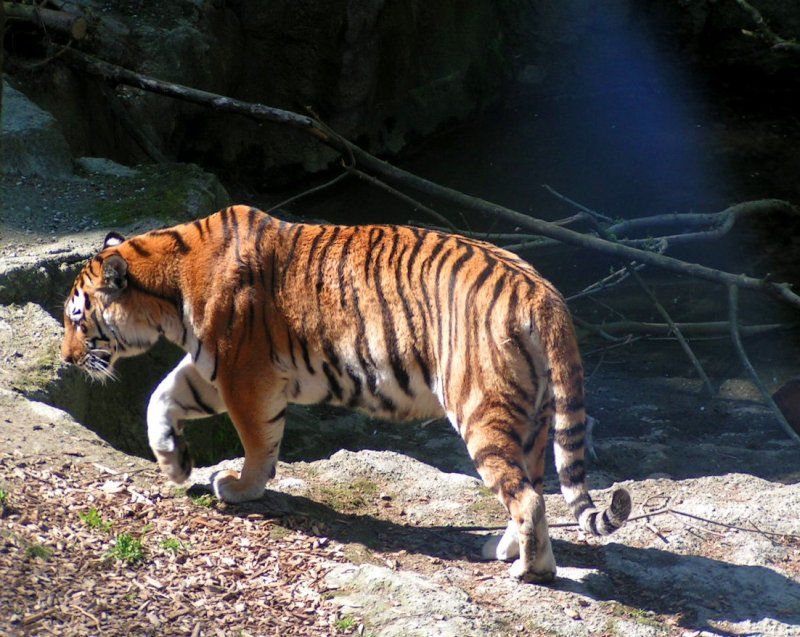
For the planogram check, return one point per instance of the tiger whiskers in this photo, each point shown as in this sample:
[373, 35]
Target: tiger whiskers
[98, 367]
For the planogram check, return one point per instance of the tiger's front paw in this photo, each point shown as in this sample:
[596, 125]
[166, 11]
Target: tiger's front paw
[177, 464]
[229, 487]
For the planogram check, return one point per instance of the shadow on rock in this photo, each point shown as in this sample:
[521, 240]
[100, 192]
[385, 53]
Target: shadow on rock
[697, 589]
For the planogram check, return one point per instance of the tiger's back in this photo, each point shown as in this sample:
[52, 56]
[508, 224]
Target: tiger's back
[398, 321]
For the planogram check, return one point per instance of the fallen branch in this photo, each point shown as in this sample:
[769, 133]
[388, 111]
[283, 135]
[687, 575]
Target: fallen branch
[765, 31]
[675, 330]
[710, 328]
[630, 268]
[733, 302]
[118, 75]
[73, 26]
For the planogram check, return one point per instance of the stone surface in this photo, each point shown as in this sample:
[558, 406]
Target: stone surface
[33, 143]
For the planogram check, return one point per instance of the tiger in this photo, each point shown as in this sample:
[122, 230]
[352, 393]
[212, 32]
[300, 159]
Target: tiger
[404, 323]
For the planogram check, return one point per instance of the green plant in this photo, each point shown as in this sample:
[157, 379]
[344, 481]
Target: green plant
[38, 551]
[95, 521]
[205, 500]
[173, 544]
[3, 502]
[345, 623]
[127, 549]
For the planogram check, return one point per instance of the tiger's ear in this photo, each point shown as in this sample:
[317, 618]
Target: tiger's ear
[115, 276]
[112, 239]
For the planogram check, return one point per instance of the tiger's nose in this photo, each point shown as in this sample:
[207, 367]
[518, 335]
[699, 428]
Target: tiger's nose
[67, 356]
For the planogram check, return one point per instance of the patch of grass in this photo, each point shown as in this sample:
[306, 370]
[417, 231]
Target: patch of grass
[205, 500]
[173, 545]
[278, 532]
[39, 551]
[4, 502]
[486, 504]
[350, 497]
[345, 623]
[360, 554]
[637, 615]
[161, 194]
[95, 521]
[127, 548]
[41, 373]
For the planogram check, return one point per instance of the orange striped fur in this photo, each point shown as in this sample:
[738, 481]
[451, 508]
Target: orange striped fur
[398, 321]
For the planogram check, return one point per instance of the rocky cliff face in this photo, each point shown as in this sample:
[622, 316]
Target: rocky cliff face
[381, 73]
[384, 74]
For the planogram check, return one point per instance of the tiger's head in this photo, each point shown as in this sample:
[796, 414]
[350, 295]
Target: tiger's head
[100, 323]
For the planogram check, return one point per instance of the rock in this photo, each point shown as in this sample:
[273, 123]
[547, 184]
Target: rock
[32, 140]
[787, 397]
[404, 604]
[103, 166]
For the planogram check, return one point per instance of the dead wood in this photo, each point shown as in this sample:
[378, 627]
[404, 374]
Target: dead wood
[118, 75]
[698, 329]
[733, 303]
[68, 24]
[764, 31]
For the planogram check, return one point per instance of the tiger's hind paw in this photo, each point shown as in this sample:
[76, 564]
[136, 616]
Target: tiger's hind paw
[525, 573]
[229, 487]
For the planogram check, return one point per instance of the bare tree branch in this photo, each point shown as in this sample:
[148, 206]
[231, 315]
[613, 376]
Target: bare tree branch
[733, 302]
[118, 75]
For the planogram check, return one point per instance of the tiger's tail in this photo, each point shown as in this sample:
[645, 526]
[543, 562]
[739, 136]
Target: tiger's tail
[566, 377]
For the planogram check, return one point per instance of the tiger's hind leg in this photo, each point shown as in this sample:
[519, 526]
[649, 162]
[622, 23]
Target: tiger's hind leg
[183, 395]
[501, 461]
[259, 423]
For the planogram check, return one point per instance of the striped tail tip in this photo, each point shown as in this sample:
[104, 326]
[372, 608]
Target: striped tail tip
[606, 522]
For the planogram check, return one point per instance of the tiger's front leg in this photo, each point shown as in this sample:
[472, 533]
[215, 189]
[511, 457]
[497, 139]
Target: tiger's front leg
[183, 395]
[259, 419]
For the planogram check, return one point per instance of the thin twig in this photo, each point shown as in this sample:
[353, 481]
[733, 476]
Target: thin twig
[676, 331]
[409, 200]
[718, 329]
[592, 213]
[603, 350]
[89, 615]
[733, 302]
[612, 280]
[733, 527]
[631, 269]
[308, 192]
[599, 330]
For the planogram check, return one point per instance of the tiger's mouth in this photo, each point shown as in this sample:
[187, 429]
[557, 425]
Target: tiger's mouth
[98, 364]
